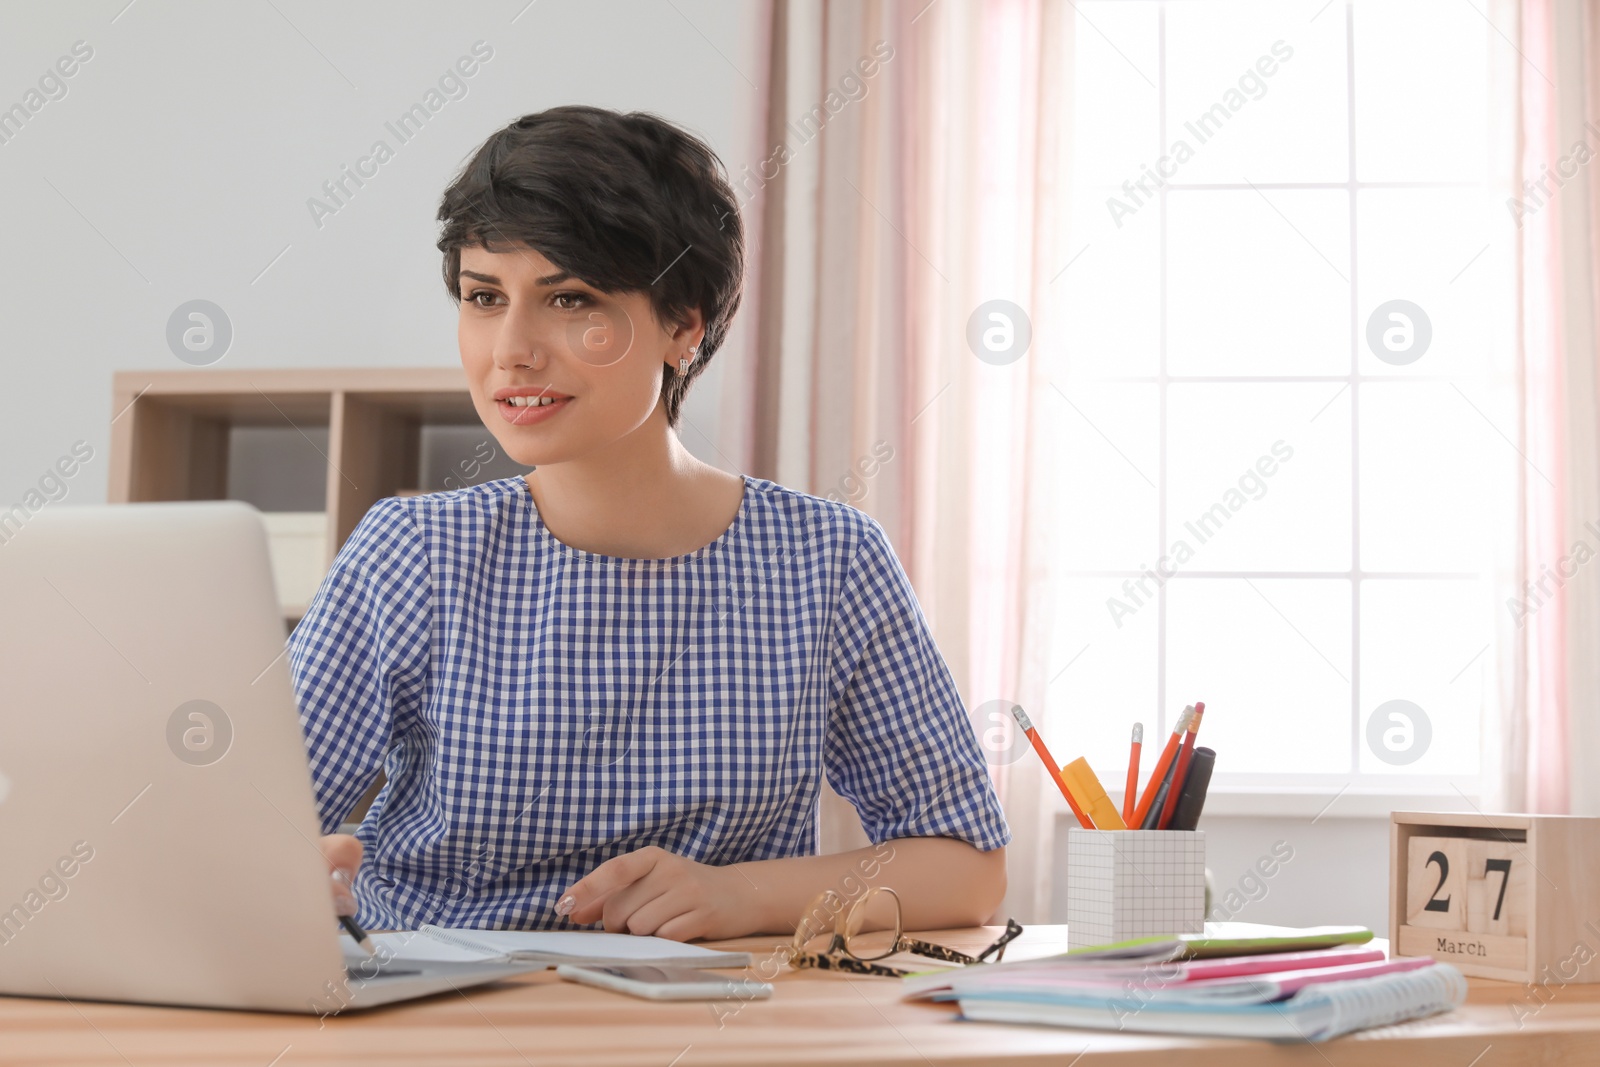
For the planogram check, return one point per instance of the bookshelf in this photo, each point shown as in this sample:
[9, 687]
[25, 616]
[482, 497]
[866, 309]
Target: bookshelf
[362, 428]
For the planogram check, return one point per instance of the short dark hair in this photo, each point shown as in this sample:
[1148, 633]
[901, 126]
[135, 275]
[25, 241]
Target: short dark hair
[624, 202]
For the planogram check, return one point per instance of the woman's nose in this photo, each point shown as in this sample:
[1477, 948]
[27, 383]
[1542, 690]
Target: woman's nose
[518, 345]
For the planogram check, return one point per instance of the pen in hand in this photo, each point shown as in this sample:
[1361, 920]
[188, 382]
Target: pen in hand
[345, 905]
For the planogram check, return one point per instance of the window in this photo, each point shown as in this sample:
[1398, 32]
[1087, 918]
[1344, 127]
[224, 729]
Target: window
[1287, 452]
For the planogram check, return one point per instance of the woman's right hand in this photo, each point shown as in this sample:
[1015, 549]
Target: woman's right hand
[343, 853]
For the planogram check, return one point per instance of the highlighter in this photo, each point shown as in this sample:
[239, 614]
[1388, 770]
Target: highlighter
[1091, 796]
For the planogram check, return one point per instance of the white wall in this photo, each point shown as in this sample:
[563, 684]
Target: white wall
[179, 163]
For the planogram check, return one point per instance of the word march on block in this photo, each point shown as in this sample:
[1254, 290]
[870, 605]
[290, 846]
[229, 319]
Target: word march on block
[1499, 896]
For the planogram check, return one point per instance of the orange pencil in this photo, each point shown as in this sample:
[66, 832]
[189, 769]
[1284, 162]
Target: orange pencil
[1132, 787]
[1183, 766]
[1168, 754]
[1026, 725]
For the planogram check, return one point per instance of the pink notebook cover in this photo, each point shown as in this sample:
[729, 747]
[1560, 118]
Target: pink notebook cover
[1277, 962]
[1173, 976]
[1249, 987]
[1281, 984]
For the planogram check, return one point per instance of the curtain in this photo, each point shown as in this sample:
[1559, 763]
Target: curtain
[913, 168]
[1542, 755]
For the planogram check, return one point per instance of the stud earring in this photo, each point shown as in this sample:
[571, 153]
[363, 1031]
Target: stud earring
[683, 363]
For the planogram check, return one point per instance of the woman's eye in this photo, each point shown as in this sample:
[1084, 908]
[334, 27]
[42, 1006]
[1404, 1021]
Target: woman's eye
[567, 301]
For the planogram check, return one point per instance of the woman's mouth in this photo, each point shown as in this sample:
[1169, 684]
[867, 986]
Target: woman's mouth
[529, 408]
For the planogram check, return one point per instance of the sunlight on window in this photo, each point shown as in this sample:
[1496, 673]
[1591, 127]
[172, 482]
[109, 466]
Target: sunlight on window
[1283, 445]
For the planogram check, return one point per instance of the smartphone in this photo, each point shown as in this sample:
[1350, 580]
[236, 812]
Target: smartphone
[665, 983]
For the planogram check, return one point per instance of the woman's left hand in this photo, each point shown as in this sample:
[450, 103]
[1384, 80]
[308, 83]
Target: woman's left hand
[653, 891]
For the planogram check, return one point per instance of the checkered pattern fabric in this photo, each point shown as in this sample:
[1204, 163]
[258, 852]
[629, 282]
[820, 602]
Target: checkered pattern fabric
[540, 709]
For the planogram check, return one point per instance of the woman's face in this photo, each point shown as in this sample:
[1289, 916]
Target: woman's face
[558, 369]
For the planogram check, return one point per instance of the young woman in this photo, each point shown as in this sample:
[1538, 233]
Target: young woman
[609, 692]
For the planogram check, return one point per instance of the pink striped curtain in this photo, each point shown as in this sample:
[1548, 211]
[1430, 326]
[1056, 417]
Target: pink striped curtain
[1534, 730]
[923, 173]
[1549, 714]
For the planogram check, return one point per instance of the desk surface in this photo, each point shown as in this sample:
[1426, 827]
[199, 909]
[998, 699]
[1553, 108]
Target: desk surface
[823, 1018]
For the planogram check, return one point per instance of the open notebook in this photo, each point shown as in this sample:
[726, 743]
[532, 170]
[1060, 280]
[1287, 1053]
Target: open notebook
[432, 944]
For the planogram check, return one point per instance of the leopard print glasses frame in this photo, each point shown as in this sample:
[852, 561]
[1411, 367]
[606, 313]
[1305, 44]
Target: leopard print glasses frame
[852, 946]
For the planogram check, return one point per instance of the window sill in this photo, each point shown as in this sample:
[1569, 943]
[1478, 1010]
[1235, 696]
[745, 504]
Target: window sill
[1328, 804]
[1316, 804]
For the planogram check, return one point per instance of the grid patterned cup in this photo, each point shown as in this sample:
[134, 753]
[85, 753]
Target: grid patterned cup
[1127, 884]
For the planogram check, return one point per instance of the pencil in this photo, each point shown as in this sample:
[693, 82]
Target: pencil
[1130, 791]
[1168, 754]
[349, 923]
[1026, 725]
[358, 935]
[1183, 766]
[1152, 817]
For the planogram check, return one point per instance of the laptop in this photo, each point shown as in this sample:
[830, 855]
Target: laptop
[156, 816]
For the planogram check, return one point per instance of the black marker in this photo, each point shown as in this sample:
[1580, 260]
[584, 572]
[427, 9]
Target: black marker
[1192, 798]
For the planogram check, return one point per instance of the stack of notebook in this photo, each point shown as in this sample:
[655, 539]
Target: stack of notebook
[1236, 979]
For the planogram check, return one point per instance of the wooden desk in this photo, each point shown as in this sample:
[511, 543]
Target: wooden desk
[812, 1018]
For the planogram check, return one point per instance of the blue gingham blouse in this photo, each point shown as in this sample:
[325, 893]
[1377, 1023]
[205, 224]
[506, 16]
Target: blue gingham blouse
[540, 709]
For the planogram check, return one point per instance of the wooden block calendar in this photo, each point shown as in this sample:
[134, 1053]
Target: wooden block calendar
[1499, 896]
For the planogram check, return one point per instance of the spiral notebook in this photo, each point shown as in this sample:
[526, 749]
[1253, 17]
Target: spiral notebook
[1314, 1013]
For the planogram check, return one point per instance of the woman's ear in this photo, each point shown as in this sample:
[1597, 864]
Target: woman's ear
[687, 336]
[691, 330]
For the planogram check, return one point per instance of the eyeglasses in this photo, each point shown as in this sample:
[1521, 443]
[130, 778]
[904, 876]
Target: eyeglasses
[869, 929]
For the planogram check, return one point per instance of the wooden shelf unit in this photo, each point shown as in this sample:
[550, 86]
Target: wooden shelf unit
[169, 440]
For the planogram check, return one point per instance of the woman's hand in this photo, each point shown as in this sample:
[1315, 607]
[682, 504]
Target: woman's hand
[653, 891]
[343, 854]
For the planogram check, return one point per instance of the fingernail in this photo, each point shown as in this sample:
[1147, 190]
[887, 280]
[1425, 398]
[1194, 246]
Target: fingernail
[566, 906]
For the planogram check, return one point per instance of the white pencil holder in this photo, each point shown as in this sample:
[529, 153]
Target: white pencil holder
[1127, 884]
